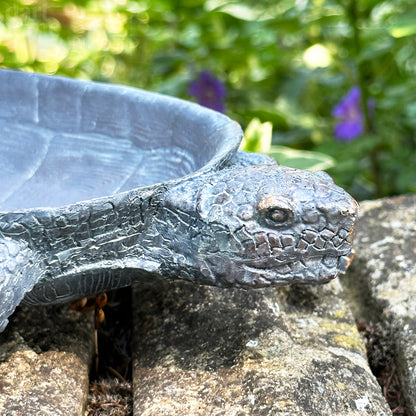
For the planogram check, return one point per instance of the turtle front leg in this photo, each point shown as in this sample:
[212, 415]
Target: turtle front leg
[20, 270]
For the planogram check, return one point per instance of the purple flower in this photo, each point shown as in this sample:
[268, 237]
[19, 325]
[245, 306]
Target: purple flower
[348, 110]
[209, 91]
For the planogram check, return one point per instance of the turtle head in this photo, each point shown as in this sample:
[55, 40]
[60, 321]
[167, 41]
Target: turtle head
[269, 225]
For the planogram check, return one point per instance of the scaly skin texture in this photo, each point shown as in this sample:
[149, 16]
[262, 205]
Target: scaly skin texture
[261, 226]
[244, 226]
[17, 265]
[209, 215]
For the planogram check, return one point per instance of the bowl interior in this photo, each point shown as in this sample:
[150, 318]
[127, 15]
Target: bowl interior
[63, 141]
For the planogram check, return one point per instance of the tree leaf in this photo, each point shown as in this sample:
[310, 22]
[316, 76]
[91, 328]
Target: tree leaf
[404, 25]
[257, 137]
[301, 159]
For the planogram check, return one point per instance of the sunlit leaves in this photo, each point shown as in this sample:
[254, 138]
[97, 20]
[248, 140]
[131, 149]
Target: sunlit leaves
[285, 62]
[257, 137]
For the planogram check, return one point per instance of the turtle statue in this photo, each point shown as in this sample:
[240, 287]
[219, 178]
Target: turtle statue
[103, 186]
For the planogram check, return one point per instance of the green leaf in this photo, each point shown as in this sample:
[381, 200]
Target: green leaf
[276, 118]
[246, 12]
[403, 25]
[301, 159]
[257, 137]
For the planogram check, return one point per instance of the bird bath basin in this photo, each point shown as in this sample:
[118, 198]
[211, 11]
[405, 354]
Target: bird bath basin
[103, 186]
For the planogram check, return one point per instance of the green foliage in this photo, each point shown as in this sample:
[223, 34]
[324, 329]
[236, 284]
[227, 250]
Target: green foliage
[287, 62]
[302, 159]
[257, 137]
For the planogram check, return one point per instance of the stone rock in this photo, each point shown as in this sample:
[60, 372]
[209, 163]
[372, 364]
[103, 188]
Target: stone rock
[45, 355]
[285, 351]
[383, 277]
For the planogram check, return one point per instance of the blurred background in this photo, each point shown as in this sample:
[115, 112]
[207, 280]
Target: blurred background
[318, 84]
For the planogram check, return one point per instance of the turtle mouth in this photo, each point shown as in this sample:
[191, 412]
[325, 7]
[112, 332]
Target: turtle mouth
[317, 269]
[305, 257]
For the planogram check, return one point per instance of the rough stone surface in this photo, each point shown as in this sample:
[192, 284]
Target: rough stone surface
[45, 355]
[285, 351]
[383, 274]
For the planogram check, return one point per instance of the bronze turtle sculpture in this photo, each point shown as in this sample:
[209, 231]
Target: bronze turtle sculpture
[103, 186]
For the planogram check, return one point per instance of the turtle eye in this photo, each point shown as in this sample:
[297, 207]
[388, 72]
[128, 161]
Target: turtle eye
[275, 212]
[278, 215]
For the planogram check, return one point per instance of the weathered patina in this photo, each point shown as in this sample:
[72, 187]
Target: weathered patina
[164, 194]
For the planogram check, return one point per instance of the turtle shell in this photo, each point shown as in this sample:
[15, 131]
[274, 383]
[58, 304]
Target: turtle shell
[63, 141]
